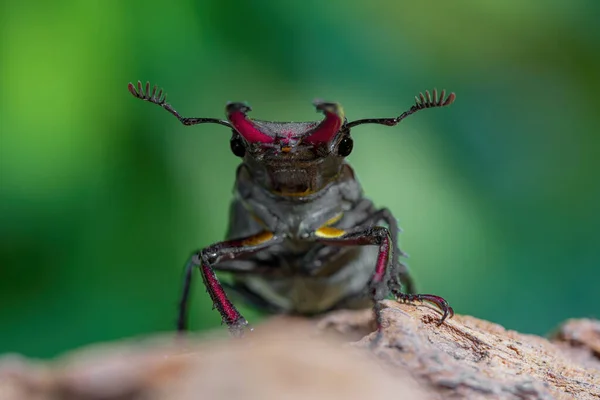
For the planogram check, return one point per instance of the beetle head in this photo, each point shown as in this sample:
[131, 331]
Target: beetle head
[291, 158]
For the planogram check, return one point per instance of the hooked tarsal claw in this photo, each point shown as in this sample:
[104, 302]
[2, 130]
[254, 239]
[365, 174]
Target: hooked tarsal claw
[439, 302]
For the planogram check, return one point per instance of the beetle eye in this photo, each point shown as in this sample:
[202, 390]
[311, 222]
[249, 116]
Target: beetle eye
[237, 146]
[345, 147]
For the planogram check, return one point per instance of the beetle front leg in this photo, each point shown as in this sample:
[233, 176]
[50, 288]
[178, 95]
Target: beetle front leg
[376, 235]
[207, 261]
[379, 287]
[399, 274]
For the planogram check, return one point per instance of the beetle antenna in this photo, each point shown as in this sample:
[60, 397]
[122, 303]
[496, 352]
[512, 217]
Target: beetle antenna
[421, 102]
[160, 99]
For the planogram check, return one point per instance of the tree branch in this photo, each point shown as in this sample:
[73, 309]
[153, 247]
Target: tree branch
[414, 358]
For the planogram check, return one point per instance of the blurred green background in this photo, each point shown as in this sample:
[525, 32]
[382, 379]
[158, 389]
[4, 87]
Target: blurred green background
[103, 197]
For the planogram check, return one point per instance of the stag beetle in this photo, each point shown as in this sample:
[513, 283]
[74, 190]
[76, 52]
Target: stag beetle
[302, 238]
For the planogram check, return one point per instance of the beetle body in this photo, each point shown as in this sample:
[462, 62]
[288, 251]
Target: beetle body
[302, 237]
[304, 277]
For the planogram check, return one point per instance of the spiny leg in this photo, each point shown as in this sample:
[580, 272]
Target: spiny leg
[207, 260]
[376, 235]
[380, 282]
[439, 302]
[399, 274]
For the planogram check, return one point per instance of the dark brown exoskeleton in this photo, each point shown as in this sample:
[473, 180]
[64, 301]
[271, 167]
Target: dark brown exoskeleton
[302, 238]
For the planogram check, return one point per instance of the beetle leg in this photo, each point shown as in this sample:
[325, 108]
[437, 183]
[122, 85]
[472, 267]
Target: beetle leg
[377, 235]
[400, 277]
[399, 274]
[207, 261]
[439, 302]
[380, 280]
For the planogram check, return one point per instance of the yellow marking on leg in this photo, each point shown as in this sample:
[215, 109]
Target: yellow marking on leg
[328, 232]
[334, 219]
[257, 219]
[258, 239]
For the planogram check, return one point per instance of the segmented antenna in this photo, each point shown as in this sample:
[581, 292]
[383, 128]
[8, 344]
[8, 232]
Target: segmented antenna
[421, 102]
[160, 99]
[427, 102]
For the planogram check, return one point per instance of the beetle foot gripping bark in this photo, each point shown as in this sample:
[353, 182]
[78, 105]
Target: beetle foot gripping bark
[439, 302]
[208, 260]
[236, 323]
[230, 315]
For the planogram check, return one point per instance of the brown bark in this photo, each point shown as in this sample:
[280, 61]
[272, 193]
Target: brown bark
[338, 357]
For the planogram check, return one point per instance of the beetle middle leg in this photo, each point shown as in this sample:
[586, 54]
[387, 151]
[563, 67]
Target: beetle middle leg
[207, 261]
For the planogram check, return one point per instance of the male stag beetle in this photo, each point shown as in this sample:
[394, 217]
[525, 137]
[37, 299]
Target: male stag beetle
[302, 239]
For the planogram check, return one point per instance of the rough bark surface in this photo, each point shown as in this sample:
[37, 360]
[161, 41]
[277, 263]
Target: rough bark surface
[339, 357]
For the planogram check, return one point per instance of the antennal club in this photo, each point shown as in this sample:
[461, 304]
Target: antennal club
[159, 98]
[421, 102]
